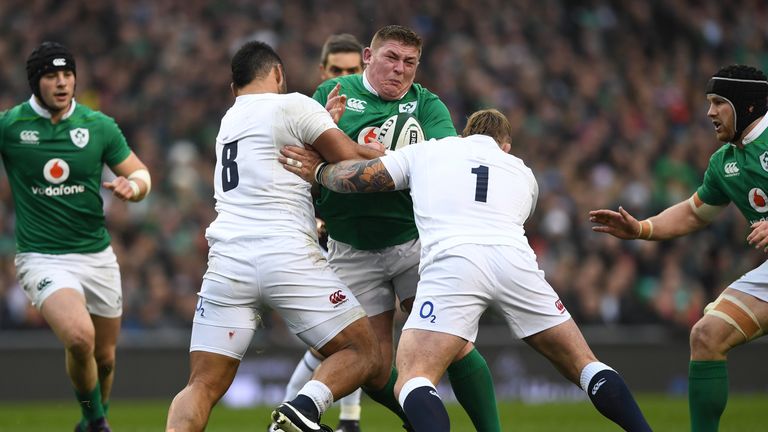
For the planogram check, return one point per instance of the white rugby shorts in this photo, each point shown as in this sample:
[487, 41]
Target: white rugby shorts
[288, 274]
[95, 275]
[375, 277]
[754, 282]
[460, 284]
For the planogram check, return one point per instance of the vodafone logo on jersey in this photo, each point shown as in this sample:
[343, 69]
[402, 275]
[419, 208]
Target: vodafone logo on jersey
[758, 200]
[56, 171]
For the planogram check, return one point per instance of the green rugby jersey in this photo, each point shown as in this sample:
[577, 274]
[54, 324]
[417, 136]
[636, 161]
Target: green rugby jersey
[740, 175]
[55, 175]
[383, 219]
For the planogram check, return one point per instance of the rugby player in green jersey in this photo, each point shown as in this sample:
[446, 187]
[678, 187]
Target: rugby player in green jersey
[373, 241]
[738, 173]
[54, 151]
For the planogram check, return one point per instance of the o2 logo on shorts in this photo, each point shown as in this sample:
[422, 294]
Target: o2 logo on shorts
[427, 311]
[200, 308]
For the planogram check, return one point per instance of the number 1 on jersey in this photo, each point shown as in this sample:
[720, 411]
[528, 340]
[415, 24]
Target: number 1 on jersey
[481, 185]
[229, 175]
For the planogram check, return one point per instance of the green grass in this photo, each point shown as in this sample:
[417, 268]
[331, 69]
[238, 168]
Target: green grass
[663, 413]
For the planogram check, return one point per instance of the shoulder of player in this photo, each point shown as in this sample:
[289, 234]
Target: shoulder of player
[87, 114]
[346, 82]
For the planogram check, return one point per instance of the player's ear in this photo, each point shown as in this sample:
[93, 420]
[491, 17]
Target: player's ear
[367, 54]
[234, 90]
[506, 147]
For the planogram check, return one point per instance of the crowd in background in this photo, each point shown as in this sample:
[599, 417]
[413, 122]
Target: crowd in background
[606, 99]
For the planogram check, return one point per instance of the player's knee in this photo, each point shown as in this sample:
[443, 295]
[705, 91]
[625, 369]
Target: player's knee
[703, 342]
[80, 343]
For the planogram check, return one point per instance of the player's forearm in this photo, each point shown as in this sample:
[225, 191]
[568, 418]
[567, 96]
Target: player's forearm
[355, 176]
[675, 221]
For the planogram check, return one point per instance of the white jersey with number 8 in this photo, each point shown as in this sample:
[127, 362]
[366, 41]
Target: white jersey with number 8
[254, 195]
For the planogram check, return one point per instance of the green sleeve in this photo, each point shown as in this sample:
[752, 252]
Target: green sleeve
[321, 94]
[116, 148]
[435, 119]
[710, 191]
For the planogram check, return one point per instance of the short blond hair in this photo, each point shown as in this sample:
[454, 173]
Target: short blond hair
[489, 122]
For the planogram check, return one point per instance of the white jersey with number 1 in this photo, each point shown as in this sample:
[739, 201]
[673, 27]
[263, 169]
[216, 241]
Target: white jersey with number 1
[255, 195]
[465, 191]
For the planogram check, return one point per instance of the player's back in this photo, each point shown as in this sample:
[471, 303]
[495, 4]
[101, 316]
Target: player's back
[467, 190]
[254, 195]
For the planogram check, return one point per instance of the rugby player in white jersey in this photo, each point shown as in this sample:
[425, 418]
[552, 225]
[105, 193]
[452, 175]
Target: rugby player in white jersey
[470, 199]
[264, 252]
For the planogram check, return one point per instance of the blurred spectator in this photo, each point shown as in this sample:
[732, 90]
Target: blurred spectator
[604, 97]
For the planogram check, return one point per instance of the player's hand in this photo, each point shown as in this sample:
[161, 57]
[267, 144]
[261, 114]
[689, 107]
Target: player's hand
[120, 187]
[759, 235]
[336, 104]
[300, 161]
[619, 224]
[376, 145]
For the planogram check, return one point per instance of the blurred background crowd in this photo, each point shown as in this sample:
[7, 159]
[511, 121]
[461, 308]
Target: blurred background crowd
[606, 99]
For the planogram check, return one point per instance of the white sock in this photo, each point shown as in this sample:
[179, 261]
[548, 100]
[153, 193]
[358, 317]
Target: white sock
[301, 375]
[350, 406]
[589, 371]
[319, 393]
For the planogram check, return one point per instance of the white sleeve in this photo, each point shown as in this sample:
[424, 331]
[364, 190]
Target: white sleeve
[398, 165]
[306, 119]
[534, 196]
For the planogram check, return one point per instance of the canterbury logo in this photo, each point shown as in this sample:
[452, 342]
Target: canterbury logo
[356, 104]
[337, 297]
[597, 386]
[731, 169]
[29, 137]
[59, 62]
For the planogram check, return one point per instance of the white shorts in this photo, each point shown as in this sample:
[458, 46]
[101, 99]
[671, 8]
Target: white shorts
[95, 275]
[754, 282]
[377, 276]
[288, 274]
[459, 285]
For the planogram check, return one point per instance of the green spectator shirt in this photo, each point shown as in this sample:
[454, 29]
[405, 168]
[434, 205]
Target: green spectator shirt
[383, 219]
[55, 175]
[740, 175]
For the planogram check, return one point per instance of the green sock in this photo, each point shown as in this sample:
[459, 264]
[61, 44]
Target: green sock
[106, 408]
[707, 394]
[90, 403]
[473, 386]
[386, 396]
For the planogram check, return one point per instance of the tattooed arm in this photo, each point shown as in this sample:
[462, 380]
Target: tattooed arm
[356, 176]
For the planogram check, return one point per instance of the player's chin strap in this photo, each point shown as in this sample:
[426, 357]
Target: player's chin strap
[737, 314]
[143, 175]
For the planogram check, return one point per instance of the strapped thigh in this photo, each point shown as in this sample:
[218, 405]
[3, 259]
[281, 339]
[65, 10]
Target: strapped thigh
[737, 314]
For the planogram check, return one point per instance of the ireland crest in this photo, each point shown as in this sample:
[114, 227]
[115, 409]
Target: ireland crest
[764, 160]
[79, 137]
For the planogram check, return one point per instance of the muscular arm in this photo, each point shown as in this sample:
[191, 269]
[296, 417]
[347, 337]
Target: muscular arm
[677, 220]
[357, 176]
[335, 146]
[121, 187]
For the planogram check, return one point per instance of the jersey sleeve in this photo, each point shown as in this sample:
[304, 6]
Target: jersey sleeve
[116, 147]
[307, 119]
[398, 165]
[435, 119]
[321, 93]
[710, 191]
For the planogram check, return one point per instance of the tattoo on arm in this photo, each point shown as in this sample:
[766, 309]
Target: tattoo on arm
[357, 176]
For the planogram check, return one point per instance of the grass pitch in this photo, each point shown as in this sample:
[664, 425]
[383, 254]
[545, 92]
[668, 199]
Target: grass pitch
[664, 414]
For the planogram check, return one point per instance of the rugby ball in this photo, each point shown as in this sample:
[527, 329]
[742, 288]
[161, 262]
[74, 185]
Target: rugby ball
[399, 131]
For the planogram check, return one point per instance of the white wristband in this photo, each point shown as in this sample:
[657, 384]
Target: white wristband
[135, 188]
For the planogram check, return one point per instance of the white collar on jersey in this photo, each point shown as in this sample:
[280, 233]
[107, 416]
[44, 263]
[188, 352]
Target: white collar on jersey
[42, 112]
[369, 87]
[757, 131]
